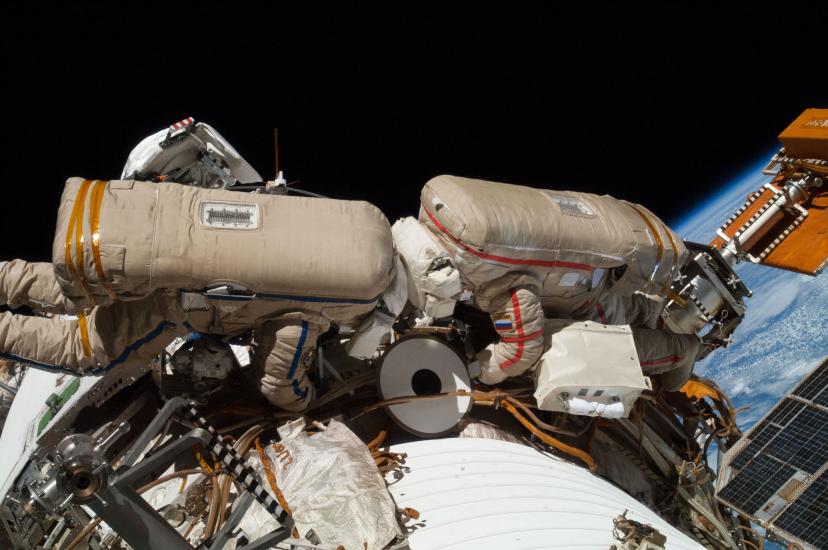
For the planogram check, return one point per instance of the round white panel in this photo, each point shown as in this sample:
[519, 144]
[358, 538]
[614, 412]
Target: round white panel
[424, 365]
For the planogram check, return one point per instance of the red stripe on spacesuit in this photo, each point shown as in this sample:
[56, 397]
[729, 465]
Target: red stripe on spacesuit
[518, 339]
[662, 360]
[504, 259]
[601, 314]
[519, 325]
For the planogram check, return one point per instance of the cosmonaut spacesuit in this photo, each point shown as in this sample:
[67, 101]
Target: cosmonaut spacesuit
[140, 263]
[524, 255]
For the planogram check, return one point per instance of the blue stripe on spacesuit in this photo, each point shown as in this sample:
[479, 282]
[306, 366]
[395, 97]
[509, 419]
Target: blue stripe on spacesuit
[156, 332]
[315, 299]
[289, 297]
[297, 390]
[296, 356]
[37, 364]
[100, 370]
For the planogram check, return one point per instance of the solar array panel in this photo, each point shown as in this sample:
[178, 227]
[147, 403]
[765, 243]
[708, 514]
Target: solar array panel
[808, 515]
[778, 472]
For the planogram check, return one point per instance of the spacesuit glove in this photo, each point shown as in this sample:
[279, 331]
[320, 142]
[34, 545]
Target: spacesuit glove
[490, 372]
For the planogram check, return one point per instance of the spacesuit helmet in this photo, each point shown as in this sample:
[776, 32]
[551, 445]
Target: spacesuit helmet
[191, 153]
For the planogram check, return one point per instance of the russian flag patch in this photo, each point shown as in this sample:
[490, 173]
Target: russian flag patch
[503, 322]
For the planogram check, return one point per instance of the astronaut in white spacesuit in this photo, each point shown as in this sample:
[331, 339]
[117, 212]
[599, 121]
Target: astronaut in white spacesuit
[525, 255]
[151, 262]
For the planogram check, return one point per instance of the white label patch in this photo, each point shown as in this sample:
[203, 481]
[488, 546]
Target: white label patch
[571, 206]
[597, 277]
[570, 279]
[229, 215]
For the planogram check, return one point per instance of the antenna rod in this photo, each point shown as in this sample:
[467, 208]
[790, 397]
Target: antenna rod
[276, 146]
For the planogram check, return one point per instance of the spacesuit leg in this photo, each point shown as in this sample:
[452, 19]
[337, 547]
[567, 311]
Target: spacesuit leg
[668, 355]
[610, 308]
[642, 310]
[32, 284]
[282, 347]
[110, 336]
[519, 322]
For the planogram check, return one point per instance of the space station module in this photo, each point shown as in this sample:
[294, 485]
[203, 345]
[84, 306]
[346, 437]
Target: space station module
[527, 255]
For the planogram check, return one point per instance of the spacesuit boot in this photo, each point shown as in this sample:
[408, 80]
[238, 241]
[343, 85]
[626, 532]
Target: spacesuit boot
[283, 347]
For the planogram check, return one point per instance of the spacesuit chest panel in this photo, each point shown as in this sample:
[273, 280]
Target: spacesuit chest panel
[566, 291]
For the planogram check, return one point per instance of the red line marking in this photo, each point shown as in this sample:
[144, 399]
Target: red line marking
[504, 259]
[662, 360]
[518, 339]
[601, 313]
[519, 323]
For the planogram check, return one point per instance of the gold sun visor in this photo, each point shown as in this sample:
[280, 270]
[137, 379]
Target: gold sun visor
[785, 223]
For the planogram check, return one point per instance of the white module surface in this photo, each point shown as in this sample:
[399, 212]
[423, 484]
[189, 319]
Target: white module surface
[480, 493]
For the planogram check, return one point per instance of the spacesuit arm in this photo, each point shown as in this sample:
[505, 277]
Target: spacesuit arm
[32, 284]
[519, 323]
[122, 333]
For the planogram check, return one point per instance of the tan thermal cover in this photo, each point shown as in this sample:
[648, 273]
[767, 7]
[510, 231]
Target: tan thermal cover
[499, 227]
[123, 239]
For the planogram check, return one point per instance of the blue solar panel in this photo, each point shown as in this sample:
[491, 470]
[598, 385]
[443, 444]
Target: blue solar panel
[807, 517]
[780, 476]
[756, 483]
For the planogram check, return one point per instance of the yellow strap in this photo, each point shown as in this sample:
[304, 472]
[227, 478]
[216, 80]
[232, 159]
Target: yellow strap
[76, 226]
[680, 302]
[656, 236]
[202, 462]
[672, 244]
[71, 227]
[696, 390]
[84, 332]
[95, 227]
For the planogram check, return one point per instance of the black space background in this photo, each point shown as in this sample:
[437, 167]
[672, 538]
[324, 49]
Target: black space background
[662, 109]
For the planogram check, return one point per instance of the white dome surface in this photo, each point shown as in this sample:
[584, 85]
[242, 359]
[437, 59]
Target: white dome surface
[481, 493]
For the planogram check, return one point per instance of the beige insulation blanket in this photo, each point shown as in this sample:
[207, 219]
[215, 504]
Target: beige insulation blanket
[123, 239]
[560, 237]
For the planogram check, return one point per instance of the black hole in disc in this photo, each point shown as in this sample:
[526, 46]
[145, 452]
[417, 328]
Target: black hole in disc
[426, 382]
[82, 482]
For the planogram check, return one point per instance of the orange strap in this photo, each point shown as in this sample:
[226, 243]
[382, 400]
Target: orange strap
[551, 441]
[656, 236]
[95, 227]
[271, 477]
[75, 229]
[672, 244]
[84, 332]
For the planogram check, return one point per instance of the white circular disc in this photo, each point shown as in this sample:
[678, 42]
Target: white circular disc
[421, 362]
